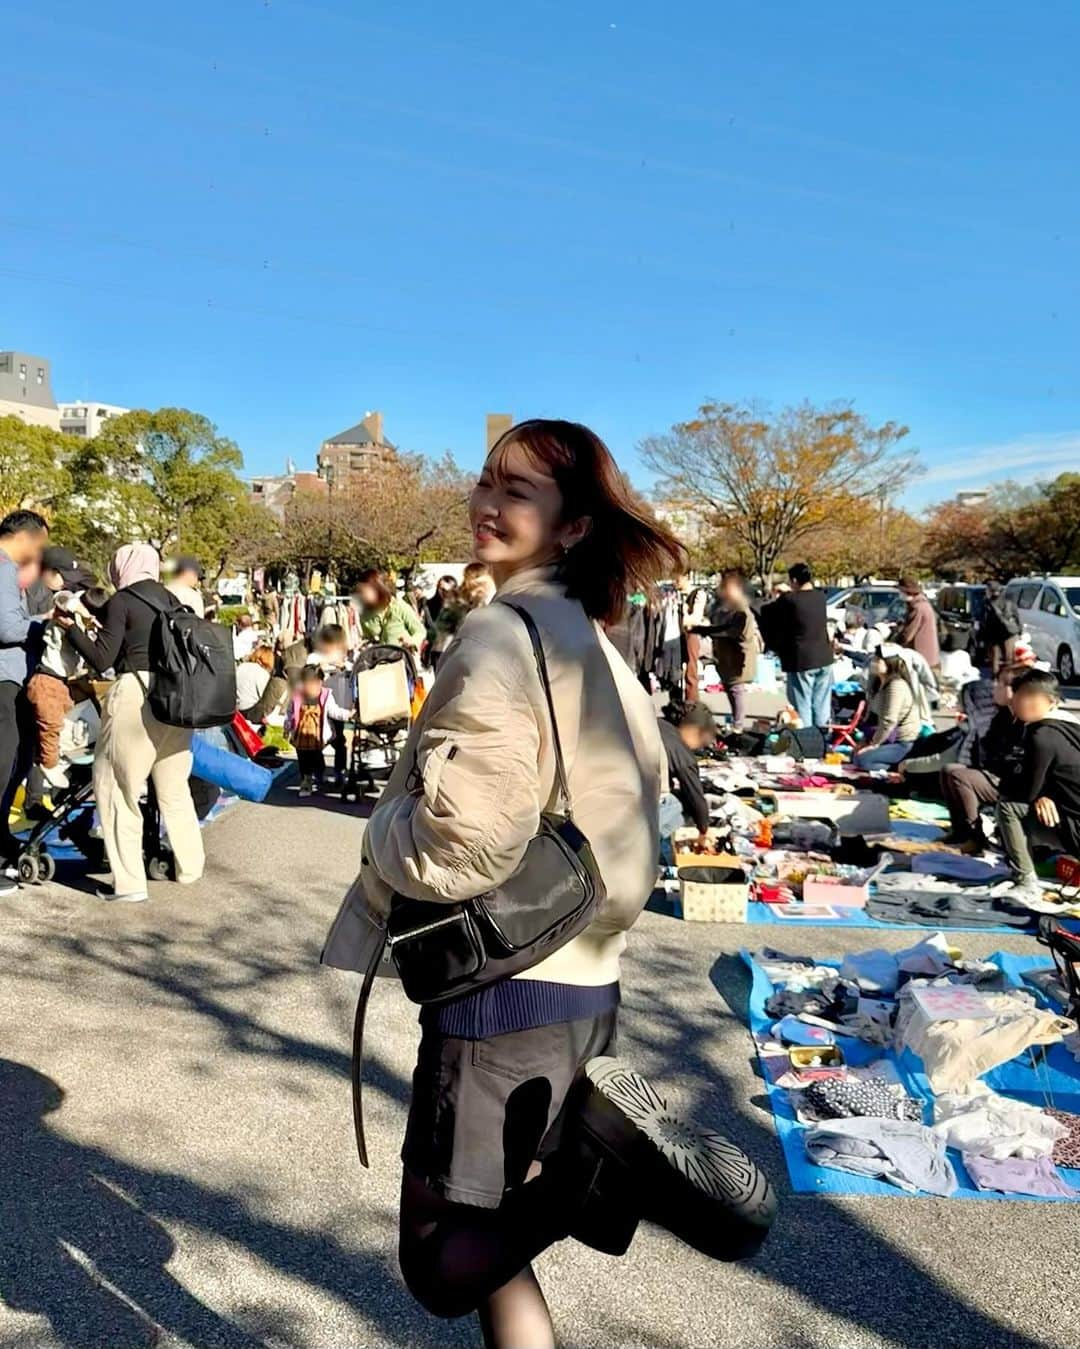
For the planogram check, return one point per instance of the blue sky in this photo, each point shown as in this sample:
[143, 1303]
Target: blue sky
[284, 214]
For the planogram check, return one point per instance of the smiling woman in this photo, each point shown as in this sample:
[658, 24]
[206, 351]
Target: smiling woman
[513, 1085]
[551, 494]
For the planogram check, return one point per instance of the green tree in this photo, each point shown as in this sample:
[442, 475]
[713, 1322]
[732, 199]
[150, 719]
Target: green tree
[34, 469]
[772, 482]
[190, 470]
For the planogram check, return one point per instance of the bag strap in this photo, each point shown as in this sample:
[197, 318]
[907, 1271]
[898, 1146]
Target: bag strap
[357, 1064]
[542, 671]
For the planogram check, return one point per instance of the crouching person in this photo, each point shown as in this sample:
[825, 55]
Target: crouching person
[1040, 798]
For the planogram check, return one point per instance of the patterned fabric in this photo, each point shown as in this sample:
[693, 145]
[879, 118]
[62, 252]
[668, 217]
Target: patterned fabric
[1066, 1149]
[844, 1097]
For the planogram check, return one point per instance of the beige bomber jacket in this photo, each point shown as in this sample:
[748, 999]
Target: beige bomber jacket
[485, 769]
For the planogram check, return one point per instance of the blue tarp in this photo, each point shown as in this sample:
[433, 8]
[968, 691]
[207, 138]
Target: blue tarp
[1056, 1081]
[766, 913]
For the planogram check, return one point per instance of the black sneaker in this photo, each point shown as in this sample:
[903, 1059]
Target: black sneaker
[644, 1161]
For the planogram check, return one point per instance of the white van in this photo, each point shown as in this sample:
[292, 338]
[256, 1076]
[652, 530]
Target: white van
[1050, 611]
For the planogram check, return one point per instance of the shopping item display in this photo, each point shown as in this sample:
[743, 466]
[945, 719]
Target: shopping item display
[919, 1072]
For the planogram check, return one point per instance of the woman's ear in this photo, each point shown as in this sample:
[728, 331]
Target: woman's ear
[574, 533]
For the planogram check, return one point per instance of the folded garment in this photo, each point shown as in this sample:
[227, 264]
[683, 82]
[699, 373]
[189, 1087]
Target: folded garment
[1067, 1146]
[790, 1031]
[929, 956]
[984, 1124]
[789, 1003]
[898, 1151]
[958, 867]
[951, 910]
[1017, 1175]
[874, 971]
[955, 1052]
[845, 1097]
[1049, 984]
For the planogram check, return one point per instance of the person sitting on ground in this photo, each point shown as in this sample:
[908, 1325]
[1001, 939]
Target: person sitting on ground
[58, 662]
[895, 705]
[309, 726]
[185, 582]
[386, 619]
[919, 630]
[1000, 628]
[1040, 796]
[332, 657]
[796, 628]
[858, 638]
[736, 642]
[685, 729]
[252, 677]
[986, 754]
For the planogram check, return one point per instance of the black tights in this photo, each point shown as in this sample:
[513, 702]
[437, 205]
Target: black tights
[457, 1258]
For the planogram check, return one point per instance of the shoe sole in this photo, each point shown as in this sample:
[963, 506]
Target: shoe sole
[688, 1179]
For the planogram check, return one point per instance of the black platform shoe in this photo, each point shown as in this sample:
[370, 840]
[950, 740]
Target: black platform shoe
[638, 1159]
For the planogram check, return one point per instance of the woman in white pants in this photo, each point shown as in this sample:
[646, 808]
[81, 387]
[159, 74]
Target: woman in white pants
[133, 746]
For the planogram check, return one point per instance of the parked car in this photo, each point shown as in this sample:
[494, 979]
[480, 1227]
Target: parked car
[961, 609]
[875, 601]
[1050, 611]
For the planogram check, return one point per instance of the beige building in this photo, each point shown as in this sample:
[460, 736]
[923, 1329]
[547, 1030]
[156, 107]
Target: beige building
[354, 452]
[498, 423]
[87, 419]
[275, 491]
[26, 389]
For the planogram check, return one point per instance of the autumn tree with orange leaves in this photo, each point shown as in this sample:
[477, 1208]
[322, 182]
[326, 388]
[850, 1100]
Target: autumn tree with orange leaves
[771, 483]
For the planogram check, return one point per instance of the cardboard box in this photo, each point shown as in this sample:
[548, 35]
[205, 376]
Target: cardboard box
[713, 901]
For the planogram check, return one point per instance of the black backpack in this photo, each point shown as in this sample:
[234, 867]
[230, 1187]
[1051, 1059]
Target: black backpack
[194, 668]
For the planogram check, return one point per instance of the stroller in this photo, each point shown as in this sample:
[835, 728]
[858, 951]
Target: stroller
[384, 678]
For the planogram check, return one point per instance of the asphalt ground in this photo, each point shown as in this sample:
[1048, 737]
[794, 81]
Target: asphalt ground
[177, 1165]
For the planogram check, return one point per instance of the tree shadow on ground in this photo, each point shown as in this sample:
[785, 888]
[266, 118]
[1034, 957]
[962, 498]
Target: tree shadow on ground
[83, 1243]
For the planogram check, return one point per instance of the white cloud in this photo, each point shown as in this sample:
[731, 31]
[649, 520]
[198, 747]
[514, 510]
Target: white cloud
[1024, 459]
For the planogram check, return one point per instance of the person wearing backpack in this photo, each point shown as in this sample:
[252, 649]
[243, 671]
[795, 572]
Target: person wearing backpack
[133, 745]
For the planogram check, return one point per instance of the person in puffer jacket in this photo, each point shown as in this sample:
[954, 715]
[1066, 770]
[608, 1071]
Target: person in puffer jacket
[512, 1077]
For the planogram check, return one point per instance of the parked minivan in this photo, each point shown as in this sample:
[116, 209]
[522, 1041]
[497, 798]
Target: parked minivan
[1050, 611]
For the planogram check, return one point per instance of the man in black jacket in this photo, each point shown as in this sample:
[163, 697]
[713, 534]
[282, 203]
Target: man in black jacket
[988, 751]
[1000, 628]
[795, 627]
[1040, 798]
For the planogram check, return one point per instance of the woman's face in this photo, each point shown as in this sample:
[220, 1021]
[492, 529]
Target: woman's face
[369, 596]
[516, 517]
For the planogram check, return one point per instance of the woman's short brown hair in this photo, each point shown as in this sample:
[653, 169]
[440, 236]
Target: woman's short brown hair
[626, 548]
[377, 580]
[263, 655]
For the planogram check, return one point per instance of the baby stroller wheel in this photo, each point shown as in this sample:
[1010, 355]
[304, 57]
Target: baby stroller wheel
[29, 869]
[46, 867]
[159, 868]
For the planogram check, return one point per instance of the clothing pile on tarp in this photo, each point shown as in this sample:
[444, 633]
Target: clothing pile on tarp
[920, 1072]
[818, 847]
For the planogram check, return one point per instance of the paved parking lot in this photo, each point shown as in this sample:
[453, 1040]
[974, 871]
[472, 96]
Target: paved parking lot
[177, 1167]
